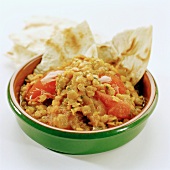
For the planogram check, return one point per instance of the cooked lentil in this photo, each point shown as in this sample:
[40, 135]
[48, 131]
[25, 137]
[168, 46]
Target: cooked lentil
[74, 104]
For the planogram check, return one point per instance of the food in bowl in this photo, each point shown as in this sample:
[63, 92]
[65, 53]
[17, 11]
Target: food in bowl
[88, 93]
[83, 94]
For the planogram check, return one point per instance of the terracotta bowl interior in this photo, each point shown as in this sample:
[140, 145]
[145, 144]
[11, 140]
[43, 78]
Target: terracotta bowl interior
[146, 87]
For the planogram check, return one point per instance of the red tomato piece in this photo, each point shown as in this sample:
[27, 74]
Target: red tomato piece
[104, 98]
[117, 84]
[39, 88]
[119, 109]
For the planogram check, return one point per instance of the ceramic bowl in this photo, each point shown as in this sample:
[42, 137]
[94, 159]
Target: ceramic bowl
[75, 142]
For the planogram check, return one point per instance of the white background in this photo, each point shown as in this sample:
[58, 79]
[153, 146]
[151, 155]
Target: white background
[150, 150]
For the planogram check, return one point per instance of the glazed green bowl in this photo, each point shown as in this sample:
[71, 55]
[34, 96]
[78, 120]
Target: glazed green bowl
[76, 142]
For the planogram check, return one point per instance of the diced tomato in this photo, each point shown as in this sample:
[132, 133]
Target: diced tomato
[117, 84]
[104, 98]
[119, 109]
[40, 88]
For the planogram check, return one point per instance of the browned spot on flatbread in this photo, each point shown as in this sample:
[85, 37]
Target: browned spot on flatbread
[53, 45]
[132, 46]
[71, 41]
[132, 49]
[140, 58]
[146, 50]
[57, 48]
[148, 53]
[81, 35]
[115, 62]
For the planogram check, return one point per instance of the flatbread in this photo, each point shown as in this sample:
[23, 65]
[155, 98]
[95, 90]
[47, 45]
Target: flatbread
[58, 39]
[129, 52]
[66, 44]
[30, 41]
